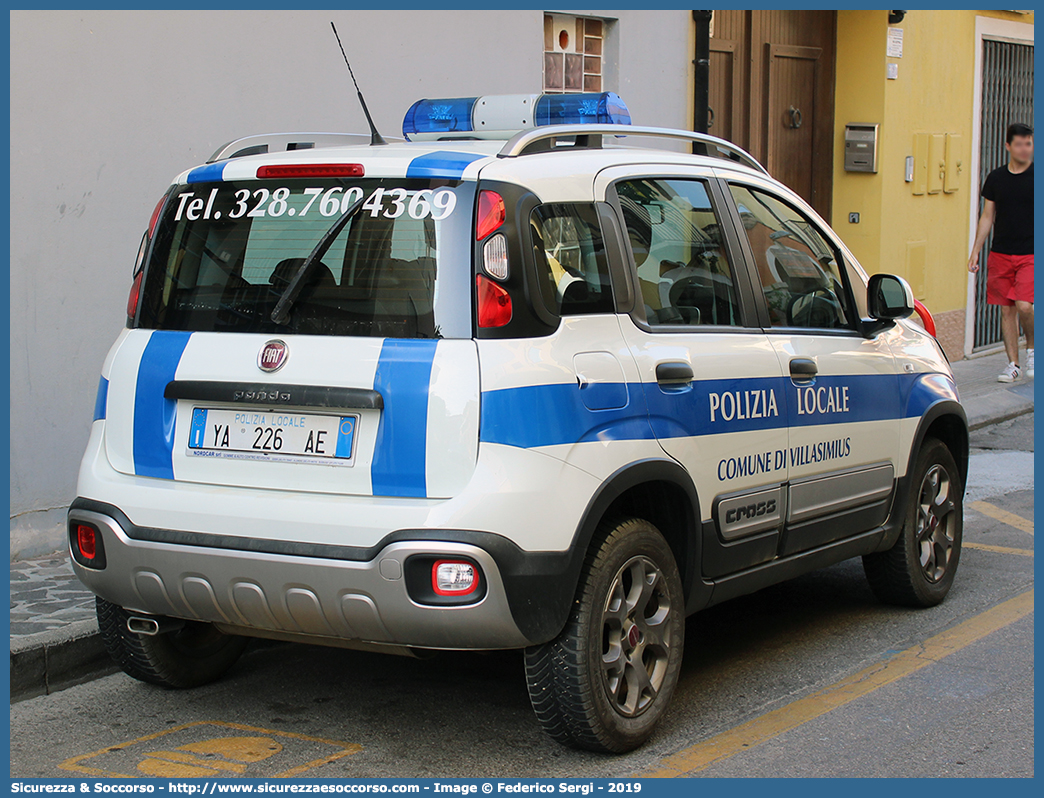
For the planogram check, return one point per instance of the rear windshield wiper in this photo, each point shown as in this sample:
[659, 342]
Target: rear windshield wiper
[281, 311]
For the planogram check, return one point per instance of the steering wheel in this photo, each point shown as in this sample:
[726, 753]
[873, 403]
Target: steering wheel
[689, 312]
[820, 309]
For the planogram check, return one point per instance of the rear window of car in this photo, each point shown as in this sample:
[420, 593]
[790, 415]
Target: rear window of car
[225, 253]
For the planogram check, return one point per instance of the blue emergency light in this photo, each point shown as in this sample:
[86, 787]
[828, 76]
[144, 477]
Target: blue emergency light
[605, 108]
[501, 116]
[439, 116]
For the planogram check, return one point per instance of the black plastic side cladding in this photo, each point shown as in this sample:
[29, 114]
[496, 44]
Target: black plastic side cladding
[541, 586]
[684, 539]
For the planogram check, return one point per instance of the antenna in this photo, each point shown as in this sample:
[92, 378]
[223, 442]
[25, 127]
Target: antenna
[375, 137]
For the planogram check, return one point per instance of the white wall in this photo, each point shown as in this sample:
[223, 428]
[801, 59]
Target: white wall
[106, 107]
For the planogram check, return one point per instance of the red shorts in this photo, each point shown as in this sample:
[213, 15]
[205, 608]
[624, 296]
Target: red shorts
[1009, 279]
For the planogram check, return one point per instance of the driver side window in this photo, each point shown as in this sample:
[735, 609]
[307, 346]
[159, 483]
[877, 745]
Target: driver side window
[797, 267]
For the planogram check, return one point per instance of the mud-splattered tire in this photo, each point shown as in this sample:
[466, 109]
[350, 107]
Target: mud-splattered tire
[919, 569]
[604, 683]
[189, 657]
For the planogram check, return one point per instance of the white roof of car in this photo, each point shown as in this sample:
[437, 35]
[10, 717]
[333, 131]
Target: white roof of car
[531, 158]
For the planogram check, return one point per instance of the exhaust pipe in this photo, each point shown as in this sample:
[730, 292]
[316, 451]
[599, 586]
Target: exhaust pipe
[150, 626]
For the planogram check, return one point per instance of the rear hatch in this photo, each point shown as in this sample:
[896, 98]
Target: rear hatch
[369, 384]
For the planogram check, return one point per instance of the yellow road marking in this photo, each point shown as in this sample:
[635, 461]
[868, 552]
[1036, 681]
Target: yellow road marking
[174, 764]
[200, 758]
[774, 723]
[998, 549]
[1003, 516]
[239, 747]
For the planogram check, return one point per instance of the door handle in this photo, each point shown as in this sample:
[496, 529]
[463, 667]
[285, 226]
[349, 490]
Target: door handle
[673, 373]
[803, 368]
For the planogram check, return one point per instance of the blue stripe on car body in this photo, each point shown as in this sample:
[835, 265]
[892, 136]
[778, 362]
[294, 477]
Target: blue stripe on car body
[154, 415]
[682, 412]
[447, 165]
[547, 415]
[550, 415]
[921, 391]
[604, 395]
[403, 378]
[102, 399]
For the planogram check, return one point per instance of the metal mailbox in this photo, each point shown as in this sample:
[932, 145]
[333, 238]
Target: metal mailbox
[860, 148]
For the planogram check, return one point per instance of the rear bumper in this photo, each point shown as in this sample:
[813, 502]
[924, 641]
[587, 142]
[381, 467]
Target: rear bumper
[329, 597]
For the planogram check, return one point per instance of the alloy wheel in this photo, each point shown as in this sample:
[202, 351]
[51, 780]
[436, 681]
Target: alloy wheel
[935, 527]
[636, 636]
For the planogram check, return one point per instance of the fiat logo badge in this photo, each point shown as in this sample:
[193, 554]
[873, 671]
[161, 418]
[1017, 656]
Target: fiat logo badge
[272, 356]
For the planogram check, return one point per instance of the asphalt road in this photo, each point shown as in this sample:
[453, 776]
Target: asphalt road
[809, 678]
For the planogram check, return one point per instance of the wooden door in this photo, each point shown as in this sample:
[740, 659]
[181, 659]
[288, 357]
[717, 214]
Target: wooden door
[724, 97]
[793, 74]
[763, 63]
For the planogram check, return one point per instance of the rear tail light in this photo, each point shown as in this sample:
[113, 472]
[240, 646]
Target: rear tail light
[926, 317]
[494, 303]
[454, 578]
[86, 545]
[86, 542]
[495, 257]
[311, 170]
[135, 292]
[156, 214]
[491, 214]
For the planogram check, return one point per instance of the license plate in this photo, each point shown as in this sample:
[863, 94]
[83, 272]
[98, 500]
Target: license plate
[272, 435]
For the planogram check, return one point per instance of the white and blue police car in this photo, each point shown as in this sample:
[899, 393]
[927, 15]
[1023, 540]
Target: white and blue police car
[513, 382]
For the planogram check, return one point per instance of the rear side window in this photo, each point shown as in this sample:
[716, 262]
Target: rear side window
[571, 266]
[224, 254]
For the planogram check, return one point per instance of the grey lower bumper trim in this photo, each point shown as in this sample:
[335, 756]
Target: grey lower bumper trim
[278, 593]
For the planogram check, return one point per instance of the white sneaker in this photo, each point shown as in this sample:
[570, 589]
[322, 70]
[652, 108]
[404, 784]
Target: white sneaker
[1028, 371]
[1010, 373]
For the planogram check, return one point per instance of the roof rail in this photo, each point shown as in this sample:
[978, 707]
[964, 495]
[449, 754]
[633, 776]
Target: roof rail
[522, 143]
[280, 142]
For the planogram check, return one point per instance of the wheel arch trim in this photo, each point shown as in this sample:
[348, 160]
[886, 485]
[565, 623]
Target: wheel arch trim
[941, 409]
[631, 476]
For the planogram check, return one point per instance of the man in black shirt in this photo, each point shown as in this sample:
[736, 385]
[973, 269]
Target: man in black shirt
[1008, 209]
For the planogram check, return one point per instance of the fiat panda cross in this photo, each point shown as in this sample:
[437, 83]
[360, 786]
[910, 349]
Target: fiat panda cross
[515, 382]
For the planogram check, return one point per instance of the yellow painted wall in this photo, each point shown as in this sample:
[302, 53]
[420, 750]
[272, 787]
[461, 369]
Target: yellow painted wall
[923, 238]
[859, 98]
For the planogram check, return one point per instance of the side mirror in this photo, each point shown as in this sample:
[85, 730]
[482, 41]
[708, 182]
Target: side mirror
[889, 297]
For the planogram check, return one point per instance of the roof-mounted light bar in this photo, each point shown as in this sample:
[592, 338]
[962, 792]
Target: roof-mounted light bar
[502, 116]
